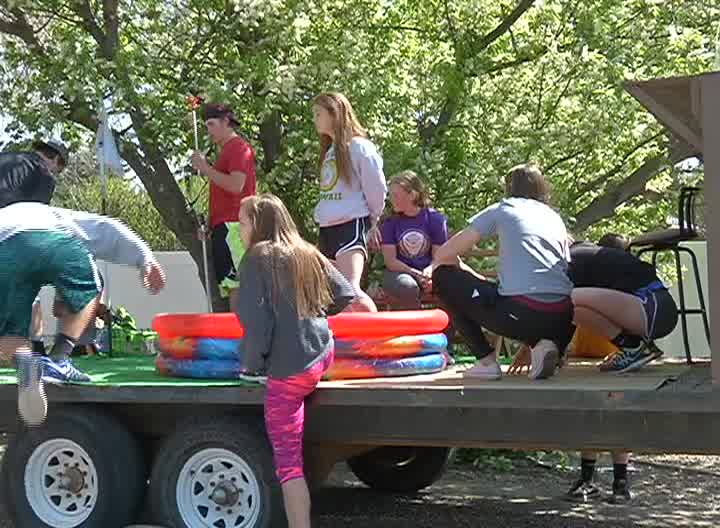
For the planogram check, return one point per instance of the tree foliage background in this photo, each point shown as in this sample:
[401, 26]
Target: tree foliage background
[459, 91]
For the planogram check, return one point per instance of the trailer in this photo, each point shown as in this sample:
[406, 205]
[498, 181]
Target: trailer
[197, 456]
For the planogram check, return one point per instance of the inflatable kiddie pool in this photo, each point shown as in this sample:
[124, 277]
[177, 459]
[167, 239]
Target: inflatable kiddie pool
[395, 347]
[367, 345]
[361, 368]
[353, 325]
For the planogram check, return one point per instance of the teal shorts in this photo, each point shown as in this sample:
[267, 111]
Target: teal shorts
[33, 259]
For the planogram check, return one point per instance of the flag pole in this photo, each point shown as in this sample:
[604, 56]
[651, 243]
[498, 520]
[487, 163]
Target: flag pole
[103, 211]
[195, 102]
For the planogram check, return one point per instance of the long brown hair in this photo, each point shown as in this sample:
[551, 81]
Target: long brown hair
[527, 181]
[296, 265]
[410, 182]
[346, 126]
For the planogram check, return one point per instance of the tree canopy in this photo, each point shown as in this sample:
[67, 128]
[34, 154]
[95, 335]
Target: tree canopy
[458, 91]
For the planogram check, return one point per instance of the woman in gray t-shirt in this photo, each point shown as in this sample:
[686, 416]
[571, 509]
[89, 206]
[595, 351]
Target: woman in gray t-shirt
[531, 300]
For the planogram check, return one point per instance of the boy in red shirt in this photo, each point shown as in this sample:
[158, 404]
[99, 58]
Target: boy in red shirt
[232, 178]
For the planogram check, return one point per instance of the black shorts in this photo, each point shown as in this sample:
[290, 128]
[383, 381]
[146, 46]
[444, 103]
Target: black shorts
[661, 313]
[342, 238]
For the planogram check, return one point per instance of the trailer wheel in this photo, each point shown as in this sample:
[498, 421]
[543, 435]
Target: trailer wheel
[215, 473]
[81, 469]
[401, 469]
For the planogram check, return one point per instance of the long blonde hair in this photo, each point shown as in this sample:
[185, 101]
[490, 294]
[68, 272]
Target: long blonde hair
[346, 126]
[296, 265]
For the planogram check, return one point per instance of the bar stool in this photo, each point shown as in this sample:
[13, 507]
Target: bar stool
[669, 240]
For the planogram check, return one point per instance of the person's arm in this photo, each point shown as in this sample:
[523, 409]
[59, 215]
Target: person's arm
[241, 164]
[342, 291]
[111, 240]
[256, 314]
[482, 225]
[393, 263]
[458, 245]
[372, 180]
[233, 182]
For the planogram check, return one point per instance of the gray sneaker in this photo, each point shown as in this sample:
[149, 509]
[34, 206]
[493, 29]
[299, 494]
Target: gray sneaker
[32, 402]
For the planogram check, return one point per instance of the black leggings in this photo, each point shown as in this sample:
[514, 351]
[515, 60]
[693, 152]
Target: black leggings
[474, 304]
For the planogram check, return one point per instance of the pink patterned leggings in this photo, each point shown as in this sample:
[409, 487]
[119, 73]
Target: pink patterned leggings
[285, 417]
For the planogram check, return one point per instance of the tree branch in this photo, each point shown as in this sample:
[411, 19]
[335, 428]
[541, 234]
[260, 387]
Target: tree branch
[112, 23]
[429, 132]
[502, 28]
[604, 206]
[607, 177]
[19, 27]
[88, 17]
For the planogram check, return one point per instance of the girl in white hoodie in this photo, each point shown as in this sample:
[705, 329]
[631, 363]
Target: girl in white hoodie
[352, 190]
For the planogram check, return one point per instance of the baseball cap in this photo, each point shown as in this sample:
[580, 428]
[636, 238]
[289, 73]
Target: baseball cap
[218, 111]
[58, 147]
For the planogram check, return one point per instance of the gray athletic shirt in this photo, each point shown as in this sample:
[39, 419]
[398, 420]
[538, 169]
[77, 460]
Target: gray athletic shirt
[534, 247]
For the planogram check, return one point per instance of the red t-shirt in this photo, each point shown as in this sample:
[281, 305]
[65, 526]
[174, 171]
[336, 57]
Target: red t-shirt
[236, 155]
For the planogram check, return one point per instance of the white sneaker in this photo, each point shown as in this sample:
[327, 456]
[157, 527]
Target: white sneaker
[484, 371]
[544, 359]
[32, 402]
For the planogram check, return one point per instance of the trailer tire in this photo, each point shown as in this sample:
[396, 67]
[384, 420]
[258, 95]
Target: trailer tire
[401, 469]
[82, 469]
[213, 469]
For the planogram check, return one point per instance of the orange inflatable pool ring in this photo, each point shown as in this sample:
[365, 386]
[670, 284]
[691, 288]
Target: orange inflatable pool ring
[587, 344]
[358, 325]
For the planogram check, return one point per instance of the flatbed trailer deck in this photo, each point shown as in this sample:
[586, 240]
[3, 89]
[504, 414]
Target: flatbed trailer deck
[398, 434]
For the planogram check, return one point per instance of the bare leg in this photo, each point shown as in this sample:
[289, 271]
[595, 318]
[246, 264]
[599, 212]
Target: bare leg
[297, 503]
[622, 309]
[598, 323]
[74, 324]
[351, 265]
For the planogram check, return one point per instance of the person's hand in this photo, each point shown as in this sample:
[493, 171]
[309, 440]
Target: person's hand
[199, 162]
[374, 238]
[521, 361]
[203, 233]
[153, 277]
[427, 272]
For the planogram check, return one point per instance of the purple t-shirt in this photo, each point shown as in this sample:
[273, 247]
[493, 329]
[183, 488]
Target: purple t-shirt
[414, 236]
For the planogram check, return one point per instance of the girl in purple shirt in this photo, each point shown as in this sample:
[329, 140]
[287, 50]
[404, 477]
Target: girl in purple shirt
[411, 235]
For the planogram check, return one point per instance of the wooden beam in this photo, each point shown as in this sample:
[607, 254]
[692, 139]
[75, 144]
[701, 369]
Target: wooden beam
[642, 91]
[710, 119]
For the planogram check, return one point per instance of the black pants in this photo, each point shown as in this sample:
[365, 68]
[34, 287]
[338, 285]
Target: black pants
[221, 255]
[474, 304]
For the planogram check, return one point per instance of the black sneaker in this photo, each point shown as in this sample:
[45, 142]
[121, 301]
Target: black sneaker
[621, 492]
[582, 491]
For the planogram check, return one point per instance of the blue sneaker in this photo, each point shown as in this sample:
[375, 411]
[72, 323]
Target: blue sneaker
[632, 359]
[62, 372]
[32, 403]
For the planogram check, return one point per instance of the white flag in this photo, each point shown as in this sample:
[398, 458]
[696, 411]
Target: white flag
[107, 152]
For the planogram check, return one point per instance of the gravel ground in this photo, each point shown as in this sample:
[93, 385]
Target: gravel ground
[669, 491]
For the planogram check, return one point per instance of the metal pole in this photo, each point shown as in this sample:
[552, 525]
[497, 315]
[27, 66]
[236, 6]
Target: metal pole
[108, 303]
[203, 225]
